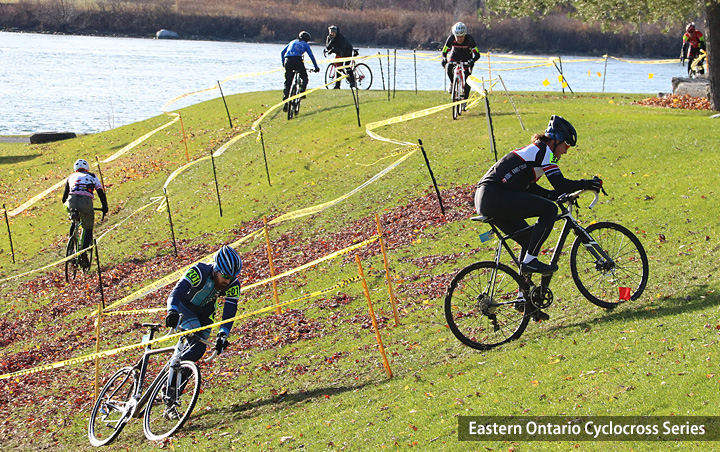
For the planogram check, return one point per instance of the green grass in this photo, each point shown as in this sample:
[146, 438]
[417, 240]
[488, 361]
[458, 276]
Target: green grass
[654, 356]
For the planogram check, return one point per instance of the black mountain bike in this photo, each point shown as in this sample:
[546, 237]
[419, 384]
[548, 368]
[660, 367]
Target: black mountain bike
[74, 246]
[489, 303]
[293, 106]
[165, 405]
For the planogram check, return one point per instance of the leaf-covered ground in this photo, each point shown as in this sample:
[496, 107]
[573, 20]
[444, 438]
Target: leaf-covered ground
[685, 102]
[68, 325]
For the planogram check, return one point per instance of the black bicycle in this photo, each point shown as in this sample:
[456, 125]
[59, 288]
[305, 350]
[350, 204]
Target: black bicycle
[165, 405]
[74, 246]
[489, 303]
[293, 106]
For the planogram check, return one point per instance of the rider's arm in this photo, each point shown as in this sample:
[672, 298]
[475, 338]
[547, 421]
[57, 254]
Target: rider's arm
[448, 45]
[66, 192]
[183, 288]
[563, 185]
[312, 57]
[282, 55]
[230, 309]
[103, 199]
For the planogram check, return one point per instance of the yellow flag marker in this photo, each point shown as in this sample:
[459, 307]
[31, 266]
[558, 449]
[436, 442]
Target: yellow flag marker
[651, 75]
[546, 82]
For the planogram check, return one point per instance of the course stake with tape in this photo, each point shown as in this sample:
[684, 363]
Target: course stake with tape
[432, 176]
[387, 270]
[7, 223]
[172, 229]
[386, 364]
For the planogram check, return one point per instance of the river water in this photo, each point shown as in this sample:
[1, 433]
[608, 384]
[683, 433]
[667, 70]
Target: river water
[88, 84]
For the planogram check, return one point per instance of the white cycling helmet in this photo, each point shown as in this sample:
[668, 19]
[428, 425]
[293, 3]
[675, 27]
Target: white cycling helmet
[459, 29]
[81, 164]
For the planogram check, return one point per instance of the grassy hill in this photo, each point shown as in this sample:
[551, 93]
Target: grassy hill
[312, 378]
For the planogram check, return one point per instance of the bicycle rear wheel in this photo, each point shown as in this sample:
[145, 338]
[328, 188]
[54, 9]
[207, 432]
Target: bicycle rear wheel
[330, 75]
[363, 76]
[167, 412]
[485, 306]
[608, 284]
[113, 407]
[71, 265]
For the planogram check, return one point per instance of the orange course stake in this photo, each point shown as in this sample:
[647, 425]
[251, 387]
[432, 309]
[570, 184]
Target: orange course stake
[393, 303]
[182, 126]
[372, 316]
[272, 267]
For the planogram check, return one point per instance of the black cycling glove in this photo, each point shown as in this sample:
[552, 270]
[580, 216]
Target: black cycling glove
[221, 343]
[171, 319]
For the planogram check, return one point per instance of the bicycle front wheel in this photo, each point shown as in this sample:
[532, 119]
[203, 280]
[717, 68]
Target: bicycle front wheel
[113, 407]
[609, 283]
[485, 306]
[330, 75]
[71, 265]
[169, 406]
[363, 76]
[456, 96]
[291, 104]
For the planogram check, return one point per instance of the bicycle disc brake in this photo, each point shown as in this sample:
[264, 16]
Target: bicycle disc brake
[541, 297]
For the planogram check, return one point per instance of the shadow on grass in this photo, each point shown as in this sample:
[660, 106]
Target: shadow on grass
[246, 410]
[10, 159]
[695, 299]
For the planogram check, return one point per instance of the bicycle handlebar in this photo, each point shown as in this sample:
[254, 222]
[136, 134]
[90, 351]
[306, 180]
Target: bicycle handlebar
[100, 209]
[572, 197]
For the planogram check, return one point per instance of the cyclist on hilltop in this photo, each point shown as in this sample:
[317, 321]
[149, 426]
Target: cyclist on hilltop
[78, 194]
[509, 193]
[460, 47]
[194, 297]
[338, 44]
[693, 42]
[292, 60]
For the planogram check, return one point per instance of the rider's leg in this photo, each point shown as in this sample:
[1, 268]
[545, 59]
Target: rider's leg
[303, 78]
[450, 71]
[467, 87]
[338, 72]
[190, 322]
[84, 206]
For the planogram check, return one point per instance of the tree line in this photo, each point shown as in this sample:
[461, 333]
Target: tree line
[421, 24]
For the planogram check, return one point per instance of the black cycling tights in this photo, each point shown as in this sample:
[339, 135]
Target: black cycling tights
[510, 208]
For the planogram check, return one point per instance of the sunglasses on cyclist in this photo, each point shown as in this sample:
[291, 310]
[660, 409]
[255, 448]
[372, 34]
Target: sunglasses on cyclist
[226, 276]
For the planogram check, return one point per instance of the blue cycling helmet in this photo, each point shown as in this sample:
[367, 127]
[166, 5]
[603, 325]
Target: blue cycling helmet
[560, 129]
[227, 262]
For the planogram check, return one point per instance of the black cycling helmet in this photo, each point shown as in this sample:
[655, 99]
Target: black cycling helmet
[304, 36]
[559, 129]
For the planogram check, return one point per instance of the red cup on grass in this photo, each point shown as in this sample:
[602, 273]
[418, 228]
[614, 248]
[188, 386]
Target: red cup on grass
[624, 293]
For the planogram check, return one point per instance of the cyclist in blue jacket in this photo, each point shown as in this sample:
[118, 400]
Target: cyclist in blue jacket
[194, 297]
[292, 60]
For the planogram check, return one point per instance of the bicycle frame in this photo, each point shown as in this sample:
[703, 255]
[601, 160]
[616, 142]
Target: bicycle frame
[570, 223]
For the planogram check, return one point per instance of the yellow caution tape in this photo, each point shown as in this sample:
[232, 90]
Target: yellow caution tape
[310, 264]
[644, 62]
[168, 337]
[315, 209]
[35, 199]
[172, 277]
[139, 140]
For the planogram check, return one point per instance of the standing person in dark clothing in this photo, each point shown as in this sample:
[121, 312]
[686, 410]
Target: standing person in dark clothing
[292, 60]
[458, 47]
[338, 44]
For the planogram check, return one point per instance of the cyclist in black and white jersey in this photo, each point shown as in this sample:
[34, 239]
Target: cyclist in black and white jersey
[509, 193]
[458, 47]
[78, 195]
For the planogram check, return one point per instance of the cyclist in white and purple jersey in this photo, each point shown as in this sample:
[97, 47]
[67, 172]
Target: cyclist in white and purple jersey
[78, 194]
[509, 193]
[194, 297]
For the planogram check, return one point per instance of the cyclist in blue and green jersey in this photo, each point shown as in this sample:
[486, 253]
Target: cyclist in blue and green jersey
[292, 60]
[194, 297]
[458, 47]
